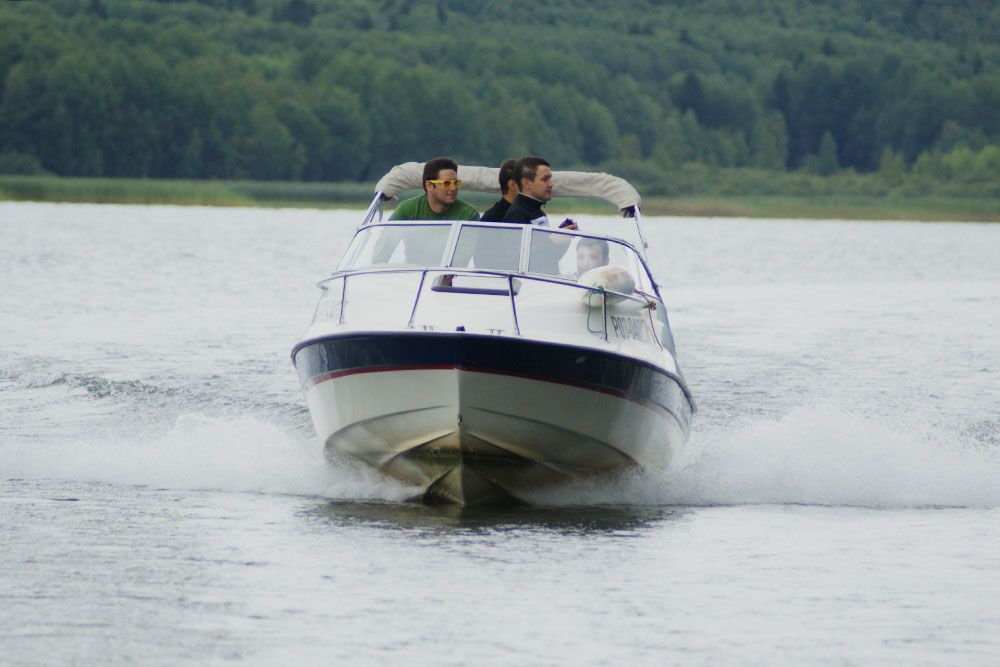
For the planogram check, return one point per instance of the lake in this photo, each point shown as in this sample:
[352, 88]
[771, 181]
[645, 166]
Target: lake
[164, 500]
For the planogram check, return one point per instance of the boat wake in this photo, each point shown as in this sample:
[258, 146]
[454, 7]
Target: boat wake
[147, 435]
[199, 453]
[821, 456]
[87, 428]
[812, 456]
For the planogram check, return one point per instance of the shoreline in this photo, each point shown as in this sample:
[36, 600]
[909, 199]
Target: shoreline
[274, 194]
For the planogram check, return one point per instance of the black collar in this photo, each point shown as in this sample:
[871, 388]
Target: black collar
[529, 202]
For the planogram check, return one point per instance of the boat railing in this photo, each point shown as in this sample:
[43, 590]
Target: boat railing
[445, 282]
[374, 208]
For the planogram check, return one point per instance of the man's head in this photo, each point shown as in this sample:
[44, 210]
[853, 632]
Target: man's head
[534, 177]
[590, 254]
[507, 180]
[441, 183]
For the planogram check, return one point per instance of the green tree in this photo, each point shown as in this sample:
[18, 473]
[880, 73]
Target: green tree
[191, 164]
[79, 98]
[309, 132]
[599, 132]
[986, 166]
[342, 114]
[892, 166]
[635, 113]
[769, 142]
[811, 109]
[270, 152]
[171, 88]
[300, 12]
[13, 162]
[828, 162]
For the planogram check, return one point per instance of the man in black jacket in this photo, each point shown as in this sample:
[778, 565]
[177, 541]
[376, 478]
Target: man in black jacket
[534, 180]
[508, 192]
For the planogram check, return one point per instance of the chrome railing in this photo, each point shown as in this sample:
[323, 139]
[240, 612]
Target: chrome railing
[644, 301]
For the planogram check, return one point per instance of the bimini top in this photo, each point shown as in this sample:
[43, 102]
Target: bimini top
[583, 184]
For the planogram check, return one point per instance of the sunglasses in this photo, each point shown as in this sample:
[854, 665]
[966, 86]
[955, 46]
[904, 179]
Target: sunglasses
[448, 184]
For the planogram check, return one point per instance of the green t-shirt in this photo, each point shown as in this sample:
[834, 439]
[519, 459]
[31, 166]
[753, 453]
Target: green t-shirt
[417, 208]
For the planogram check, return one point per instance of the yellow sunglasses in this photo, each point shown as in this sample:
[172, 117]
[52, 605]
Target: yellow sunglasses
[447, 184]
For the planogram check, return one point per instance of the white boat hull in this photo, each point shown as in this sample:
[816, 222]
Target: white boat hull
[472, 419]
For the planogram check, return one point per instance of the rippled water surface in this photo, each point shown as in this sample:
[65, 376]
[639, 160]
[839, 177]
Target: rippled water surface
[163, 499]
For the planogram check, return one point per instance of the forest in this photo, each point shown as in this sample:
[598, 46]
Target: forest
[663, 91]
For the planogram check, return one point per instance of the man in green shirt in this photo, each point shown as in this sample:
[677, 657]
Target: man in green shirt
[440, 199]
[423, 246]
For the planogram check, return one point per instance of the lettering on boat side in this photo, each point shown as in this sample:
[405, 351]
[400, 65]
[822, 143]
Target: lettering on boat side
[631, 328]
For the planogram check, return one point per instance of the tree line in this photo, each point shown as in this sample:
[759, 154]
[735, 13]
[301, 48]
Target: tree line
[339, 90]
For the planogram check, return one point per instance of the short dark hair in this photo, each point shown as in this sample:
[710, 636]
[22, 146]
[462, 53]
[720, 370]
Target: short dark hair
[433, 168]
[527, 167]
[507, 175]
[588, 241]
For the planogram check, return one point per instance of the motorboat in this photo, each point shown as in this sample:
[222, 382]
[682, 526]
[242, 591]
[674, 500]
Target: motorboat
[480, 363]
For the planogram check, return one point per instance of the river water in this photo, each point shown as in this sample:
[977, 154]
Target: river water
[164, 501]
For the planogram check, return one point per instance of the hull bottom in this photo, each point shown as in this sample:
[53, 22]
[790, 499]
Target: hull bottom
[440, 437]
[463, 468]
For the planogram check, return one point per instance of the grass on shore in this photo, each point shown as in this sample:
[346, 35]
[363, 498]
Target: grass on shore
[358, 195]
[184, 192]
[830, 207]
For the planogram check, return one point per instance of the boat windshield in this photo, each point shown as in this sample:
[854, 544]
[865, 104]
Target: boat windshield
[409, 245]
[495, 247]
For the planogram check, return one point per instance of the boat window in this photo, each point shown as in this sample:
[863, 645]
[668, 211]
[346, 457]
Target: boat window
[379, 245]
[576, 255]
[488, 247]
[548, 249]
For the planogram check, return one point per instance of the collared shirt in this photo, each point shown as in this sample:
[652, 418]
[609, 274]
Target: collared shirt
[417, 208]
[527, 211]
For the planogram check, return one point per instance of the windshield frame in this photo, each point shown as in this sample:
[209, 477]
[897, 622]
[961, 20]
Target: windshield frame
[451, 245]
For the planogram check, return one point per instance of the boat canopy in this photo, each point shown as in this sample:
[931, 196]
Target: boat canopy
[583, 184]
